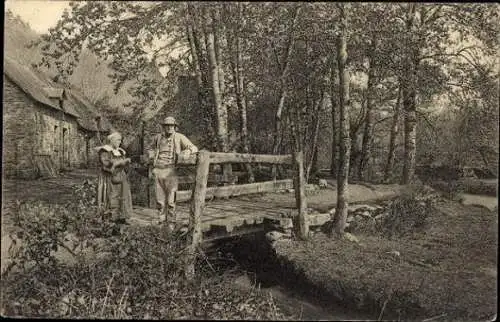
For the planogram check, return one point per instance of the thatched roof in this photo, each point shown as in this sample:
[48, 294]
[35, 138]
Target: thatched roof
[44, 91]
[52, 92]
[30, 83]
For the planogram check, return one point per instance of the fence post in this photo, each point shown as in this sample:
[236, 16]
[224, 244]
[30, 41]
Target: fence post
[151, 188]
[197, 204]
[300, 194]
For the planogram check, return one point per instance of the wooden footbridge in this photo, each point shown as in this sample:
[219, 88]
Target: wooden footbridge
[211, 213]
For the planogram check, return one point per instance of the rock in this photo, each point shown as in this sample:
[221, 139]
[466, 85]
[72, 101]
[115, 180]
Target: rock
[381, 216]
[274, 235]
[318, 219]
[243, 281]
[311, 186]
[290, 190]
[332, 211]
[322, 183]
[286, 223]
[349, 219]
[394, 252]
[355, 208]
[366, 214]
[350, 237]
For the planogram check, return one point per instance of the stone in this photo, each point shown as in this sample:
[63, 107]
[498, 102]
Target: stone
[311, 186]
[350, 237]
[274, 235]
[381, 216]
[366, 214]
[322, 183]
[318, 219]
[349, 219]
[332, 211]
[395, 253]
[286, 223]
[354, 208]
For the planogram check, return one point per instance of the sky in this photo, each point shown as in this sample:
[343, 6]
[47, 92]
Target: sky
[40, 15]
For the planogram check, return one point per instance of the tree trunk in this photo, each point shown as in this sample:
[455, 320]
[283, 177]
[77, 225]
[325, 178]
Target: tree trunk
[283, 89]
[335, 136]
[409, 101]
[220, 109]
[368, 130]
[394, 134]
[198, 52]
[345, 142]
[239, 81]
[314, 143]
[325, 97]
[355, 154]
[218, 38]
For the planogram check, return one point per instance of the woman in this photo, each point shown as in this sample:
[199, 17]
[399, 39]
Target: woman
[114, 198]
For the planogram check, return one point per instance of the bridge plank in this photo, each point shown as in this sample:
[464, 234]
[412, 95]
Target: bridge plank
[234, 216]
[238, 190]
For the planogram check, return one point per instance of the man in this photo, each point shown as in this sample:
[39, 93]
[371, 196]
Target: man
[166, 149]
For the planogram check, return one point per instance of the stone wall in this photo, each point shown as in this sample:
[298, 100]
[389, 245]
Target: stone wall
[32, 130]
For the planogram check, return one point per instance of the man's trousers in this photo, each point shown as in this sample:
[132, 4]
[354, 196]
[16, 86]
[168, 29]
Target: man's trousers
[166, 184]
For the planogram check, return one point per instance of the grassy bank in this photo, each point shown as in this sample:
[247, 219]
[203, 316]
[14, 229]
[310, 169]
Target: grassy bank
[467, 185]
[447, 270]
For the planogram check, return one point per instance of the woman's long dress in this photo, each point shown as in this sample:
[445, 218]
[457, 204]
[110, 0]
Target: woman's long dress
[113, 189]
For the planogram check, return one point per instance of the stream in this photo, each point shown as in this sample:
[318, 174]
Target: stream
[292, 303]
[292, 294]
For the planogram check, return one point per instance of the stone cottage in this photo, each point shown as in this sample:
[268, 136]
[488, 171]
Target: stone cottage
[47, 128]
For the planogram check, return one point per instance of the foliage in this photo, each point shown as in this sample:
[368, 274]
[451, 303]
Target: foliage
[42, 229]
[408, 214]
[265, 63]
[137, 274]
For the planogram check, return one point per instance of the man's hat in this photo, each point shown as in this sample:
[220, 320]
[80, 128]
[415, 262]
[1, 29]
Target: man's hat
[169, 121]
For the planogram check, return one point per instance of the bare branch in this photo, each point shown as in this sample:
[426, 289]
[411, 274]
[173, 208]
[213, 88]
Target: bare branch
[433, 17]
[455, 54]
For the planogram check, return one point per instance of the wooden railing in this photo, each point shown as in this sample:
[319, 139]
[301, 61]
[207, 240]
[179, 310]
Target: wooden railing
[200, 192]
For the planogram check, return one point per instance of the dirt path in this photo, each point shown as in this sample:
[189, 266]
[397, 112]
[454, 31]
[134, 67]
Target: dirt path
[56, 190]
[323, 200]
[486, 201]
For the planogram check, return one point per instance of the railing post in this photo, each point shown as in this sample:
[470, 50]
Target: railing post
[197, 204]
[300, 194]
[151, 188]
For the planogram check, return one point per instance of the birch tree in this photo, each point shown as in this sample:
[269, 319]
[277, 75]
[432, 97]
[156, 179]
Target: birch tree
[344, 104]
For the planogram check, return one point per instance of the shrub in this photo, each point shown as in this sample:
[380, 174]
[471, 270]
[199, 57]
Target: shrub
[479, 187]
[409, 212]
[137, 274]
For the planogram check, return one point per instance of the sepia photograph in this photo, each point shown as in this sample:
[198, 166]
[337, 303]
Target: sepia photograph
[237, 160]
